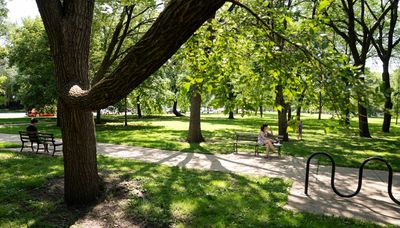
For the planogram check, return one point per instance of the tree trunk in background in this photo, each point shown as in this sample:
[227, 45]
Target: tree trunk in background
[139, 110]
[298, 112]
[194, 134]
[387, 116]
[175, 109]
[282, 119]
[126, 112]
[320, 106]
[98, 116]
[261, 111]
[231, 117]
[363, 115]
[289, 113]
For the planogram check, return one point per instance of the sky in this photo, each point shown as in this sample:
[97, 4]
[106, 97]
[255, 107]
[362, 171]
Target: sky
[19, 9]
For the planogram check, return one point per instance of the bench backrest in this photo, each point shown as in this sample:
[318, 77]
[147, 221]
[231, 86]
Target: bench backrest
[36, 136]
[246, 137]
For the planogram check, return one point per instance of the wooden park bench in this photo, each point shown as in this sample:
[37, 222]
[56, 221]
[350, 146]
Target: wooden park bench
[39, 138]
[251, 139]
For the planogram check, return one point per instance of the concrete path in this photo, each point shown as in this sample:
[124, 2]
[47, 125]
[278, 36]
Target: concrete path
[372, 203]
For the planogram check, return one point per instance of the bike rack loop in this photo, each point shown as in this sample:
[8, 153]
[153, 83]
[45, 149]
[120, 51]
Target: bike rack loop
[360, 175]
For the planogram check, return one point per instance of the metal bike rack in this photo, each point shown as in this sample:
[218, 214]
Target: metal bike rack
[360, 175]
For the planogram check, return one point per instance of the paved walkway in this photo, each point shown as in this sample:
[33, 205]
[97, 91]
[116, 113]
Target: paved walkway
[372, 203]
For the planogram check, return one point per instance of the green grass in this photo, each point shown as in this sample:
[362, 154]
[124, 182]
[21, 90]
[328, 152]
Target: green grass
[172, 196]
[169, 133]
[9, 145]
[19, 175]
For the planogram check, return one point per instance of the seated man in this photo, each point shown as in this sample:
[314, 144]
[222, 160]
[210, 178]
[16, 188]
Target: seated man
[33, 134]
[32, 127]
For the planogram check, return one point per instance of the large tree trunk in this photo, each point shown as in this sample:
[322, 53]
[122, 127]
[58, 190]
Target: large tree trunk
[80, 164]
[175, 109]
[388, 98]
[194, 134]
[68, 25]
[70, 40]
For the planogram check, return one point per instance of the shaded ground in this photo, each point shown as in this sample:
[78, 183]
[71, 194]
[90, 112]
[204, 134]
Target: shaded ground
[107, 212]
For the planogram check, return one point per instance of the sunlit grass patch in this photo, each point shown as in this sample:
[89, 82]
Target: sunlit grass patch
[170, 133]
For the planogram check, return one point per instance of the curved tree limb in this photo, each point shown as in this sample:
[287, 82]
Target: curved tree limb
[179, 20]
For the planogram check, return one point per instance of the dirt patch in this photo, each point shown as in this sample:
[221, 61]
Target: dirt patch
[109, 211]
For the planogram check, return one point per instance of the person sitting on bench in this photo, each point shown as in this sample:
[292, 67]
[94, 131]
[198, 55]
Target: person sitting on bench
[264, 138]
[32, 127]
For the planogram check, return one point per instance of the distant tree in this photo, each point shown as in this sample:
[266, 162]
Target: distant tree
[29, 51]
[385, 41]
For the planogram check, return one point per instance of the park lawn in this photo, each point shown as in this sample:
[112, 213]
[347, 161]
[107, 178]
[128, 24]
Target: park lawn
[169, 196]
[169, 133]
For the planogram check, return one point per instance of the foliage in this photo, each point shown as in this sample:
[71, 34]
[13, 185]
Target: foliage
[173, 196]
[3, 16]
[30, 53]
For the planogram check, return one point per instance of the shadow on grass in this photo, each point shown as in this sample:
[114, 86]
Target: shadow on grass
[176, 196]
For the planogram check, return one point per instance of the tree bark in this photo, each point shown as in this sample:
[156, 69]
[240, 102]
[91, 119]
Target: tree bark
[82, 183]
[68, 25]
[261, 111]
[194, 134]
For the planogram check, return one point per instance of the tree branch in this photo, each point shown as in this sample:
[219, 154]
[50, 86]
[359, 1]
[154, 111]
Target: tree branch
[308, 53]
[179, 20]
[105, 64]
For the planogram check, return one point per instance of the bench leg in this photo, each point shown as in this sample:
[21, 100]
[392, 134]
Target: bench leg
[37, 149]
[46, 148]
[22, 147]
